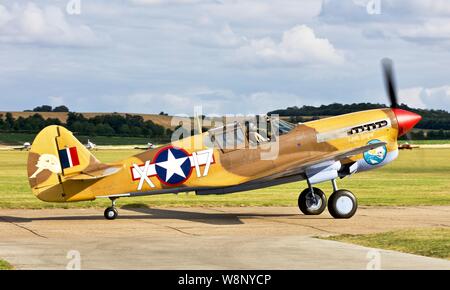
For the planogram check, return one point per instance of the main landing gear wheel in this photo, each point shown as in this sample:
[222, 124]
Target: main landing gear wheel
[342, 204]
[111, 212]
[312, 206]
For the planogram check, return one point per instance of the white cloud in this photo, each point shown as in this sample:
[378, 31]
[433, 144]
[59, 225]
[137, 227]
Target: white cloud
[421, 97]
[392, 10]
[436, 28]
[412, 97]
[225, 38]
[162, 2]
[56, 101]
[212, 101]
[253, 12]
[263, 11]
[438, 97]
[298, 45]
[30, 23]
[165, 46]
[5, 16]
[421, 21]
[419, 8]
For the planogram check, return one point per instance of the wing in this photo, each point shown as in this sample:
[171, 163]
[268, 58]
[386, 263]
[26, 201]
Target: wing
[293, 174]
[326, 158]
[340, 155]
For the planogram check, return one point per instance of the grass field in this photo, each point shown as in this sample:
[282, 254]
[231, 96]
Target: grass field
[5, 265]
[418, 177]
[419, 142]
[431, 242]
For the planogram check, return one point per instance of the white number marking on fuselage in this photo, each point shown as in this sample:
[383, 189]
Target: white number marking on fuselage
[143, 174]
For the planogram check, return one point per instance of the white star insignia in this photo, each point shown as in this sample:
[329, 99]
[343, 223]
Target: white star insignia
[173, 165]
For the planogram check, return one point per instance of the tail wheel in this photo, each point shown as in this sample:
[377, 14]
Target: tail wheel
[342, 204]
[111, 213]
[312, 206]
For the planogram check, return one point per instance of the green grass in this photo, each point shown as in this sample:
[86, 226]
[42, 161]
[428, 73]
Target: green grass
[417, 177]
[5, 265]
[425, 142]
[431, 242]
[16, 138]
[20, 138]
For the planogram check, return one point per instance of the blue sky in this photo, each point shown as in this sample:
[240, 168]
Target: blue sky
[236, 57]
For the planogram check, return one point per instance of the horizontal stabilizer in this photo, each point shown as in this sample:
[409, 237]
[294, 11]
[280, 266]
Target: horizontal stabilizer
[96, 174]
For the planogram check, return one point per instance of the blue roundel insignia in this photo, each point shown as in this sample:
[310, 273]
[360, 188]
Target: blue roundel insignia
[375, 156]
[172, 165]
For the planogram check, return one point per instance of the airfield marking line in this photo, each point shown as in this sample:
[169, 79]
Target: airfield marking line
[23, 227]
[166, 226]
[295, 224]
[169, 227]
[172, 228]
[183, 232]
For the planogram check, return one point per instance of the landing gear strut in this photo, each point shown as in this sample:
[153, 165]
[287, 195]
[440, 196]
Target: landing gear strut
[111, 212]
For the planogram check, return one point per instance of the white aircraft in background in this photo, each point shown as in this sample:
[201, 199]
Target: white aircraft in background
[90, 145]
[26, 146]
[147, 147]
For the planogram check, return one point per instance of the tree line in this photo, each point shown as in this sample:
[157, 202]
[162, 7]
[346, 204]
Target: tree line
[102, 125]
[47, 108]
[115, 125]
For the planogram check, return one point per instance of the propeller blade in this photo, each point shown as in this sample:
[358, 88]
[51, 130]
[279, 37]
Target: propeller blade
[389, 81]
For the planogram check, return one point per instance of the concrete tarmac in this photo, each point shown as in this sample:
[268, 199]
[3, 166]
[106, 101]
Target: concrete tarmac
[208, 238]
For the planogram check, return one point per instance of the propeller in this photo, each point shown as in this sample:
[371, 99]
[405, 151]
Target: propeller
[389, 81]
[391, 88]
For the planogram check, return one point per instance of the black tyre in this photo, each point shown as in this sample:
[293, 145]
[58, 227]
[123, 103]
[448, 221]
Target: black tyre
[342, 204]
[111, 213]
[307, 205]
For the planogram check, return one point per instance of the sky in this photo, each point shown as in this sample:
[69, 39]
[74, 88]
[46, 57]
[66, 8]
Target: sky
[228, 56]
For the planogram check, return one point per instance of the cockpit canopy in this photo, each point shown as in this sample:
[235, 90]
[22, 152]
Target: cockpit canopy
[252, 131]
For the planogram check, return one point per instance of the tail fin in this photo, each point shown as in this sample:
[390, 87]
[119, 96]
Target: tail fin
[55, 156]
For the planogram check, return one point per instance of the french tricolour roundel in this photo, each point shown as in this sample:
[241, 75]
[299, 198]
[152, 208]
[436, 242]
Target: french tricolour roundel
[173, 165]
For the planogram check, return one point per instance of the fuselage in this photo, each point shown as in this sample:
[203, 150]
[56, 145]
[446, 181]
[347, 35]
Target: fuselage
[201, 163]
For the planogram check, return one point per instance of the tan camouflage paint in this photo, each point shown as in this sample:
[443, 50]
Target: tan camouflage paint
[231, 167]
